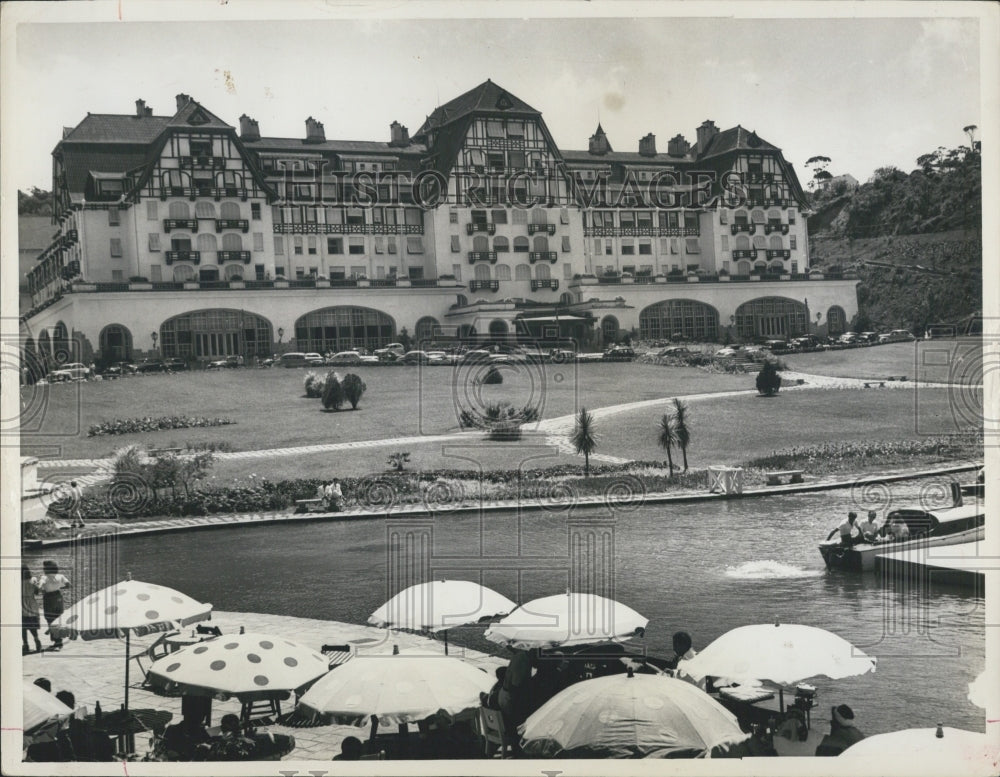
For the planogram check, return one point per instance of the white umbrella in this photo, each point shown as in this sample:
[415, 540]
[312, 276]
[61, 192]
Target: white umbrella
[249, 666]
[127, 608]
[626, 716]
[397, 689]
[980, 689]
[41, 707]
[783, 653]
[439, 605]
[567, 619]
[963, 749]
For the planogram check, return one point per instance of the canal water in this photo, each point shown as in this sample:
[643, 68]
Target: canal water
[702, 567]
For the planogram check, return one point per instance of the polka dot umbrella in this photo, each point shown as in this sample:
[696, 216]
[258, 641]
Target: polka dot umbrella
[248, 666]
[127, 608]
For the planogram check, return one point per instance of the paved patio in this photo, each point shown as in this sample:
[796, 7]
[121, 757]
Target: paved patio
[94, 671]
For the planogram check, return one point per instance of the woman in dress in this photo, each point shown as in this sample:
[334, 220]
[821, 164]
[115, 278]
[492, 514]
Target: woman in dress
[51, 585]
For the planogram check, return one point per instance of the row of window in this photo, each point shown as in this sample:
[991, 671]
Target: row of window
[668, 245]
[641, 219]
[502, 245]
[744, 243]
[757, 216]
[205, 241]
[352, 216]
[179, 209]
[518, 216]
[299, 245]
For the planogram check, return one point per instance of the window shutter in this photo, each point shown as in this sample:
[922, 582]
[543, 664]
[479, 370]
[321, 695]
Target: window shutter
[455, 245]
[258, 241]
[565, 243]
[151, 210]
[116, 246]
[154, 241]
[279, 245]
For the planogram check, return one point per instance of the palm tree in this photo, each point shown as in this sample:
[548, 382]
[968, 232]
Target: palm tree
[583, 438]
[668, 436]
[681, 431]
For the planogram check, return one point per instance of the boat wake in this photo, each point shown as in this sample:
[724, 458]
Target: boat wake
[769, 570]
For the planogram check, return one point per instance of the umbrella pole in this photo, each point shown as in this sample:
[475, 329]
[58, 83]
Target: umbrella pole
[446, 641]
[781, 700]
[128, 640]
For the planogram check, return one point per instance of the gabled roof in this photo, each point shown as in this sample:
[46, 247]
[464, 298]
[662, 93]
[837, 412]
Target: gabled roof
[194, 115]
[736, 139]
[485, 98]
[621, 157]
[117, 128]
[264, 145]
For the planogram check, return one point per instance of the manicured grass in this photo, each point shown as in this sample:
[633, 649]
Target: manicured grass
[957, 360]
[271, 411]
[731, 430]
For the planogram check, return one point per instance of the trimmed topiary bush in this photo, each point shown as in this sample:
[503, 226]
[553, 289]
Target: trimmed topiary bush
[333, 392]
[353, 388]
[492, 377]
[768, 380]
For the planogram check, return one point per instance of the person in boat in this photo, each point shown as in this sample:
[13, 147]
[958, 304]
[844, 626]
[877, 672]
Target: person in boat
[899, 530]
[843, 732]
[869, 527]
[847, 530]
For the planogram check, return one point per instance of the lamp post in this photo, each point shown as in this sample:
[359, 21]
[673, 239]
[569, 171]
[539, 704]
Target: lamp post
[154, 336]
[281, 333]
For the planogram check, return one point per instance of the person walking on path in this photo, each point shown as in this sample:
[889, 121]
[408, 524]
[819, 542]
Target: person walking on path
[30, 618]
[51, 585]
[76, 505]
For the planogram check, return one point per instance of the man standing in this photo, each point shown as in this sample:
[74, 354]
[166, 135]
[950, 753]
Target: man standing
[76, 505]
[842, 734]
[847, 528]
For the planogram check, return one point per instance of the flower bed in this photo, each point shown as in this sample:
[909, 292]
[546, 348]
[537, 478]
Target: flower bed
[150, 424]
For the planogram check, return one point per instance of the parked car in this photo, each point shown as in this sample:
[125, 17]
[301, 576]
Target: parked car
[292, 359]
[440, 358]
[176, 365]
[896, 336]
[676, 351]
[619, 354]
[867, 337]
[475, 356]
[230, 362]
[151, 365]
[807, 341]
[776, 345]
[414, 357]
[848, 338]
[314, 360]
[396, 348]
[119, 368]
[723, 353]
[345, 357]
[71, 371]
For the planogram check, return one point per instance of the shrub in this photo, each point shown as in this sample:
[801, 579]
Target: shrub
[313, 385]
[501, 420]
[398, 460]
[333, 392]
[768, 380]
[150, 424]
[138, 279]
[492, 377]
[353, 388]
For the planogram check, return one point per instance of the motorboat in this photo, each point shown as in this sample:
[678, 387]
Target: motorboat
[962, 522]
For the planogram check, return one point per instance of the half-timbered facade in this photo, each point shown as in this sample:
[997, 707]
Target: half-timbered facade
[212, 240]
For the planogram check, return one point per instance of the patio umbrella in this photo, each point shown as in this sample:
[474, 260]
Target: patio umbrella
[398, 689]
[248, 666]
[979, 689]
[41, 707]
[783, 653]
[439, 605]
[626, 716]
[127, 608]
[567, 619]
[923, 745]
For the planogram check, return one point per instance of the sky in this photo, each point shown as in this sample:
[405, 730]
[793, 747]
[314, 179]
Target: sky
[864, 92]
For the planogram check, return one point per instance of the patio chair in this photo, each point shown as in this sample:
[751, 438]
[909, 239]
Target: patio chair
[214, 631]
[491, 729]
[262, 712]
[337, 654]
[157, 650]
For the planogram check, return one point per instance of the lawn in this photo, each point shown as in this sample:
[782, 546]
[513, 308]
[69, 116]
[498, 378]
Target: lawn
[271, 411]
[731, 430]
[956, 360]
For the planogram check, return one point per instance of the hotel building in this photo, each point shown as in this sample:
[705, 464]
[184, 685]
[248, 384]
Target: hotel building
[183, 236]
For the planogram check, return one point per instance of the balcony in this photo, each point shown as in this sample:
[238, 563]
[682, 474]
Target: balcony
[189, 224]
[71, 236]
[232, 256]
[547, 228]
[544, 283]
[745, 254]
[348, 229]
[543, 256]
[241, 224]
[778, 202]
[480, 226]
[475, 286]
[202, 162]
[641, 231]
[775, 226]
[230, 191]
[482, 256]
[779, 253]
[183, 256]
[737, 228]
[759, 177]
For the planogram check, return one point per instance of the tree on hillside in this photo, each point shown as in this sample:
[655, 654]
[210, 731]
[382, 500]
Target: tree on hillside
[817, 165]
[667, 439]
[37, 202]
[583, 438]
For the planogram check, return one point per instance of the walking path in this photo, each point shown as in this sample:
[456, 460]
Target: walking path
[561, 498]
[95, 671]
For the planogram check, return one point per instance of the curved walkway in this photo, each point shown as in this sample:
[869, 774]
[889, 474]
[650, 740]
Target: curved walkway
[556, 429]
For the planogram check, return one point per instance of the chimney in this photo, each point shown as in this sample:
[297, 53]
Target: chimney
[249, 130]
[647, 145]
[140, 108]
[599, 144]
[314, 131]
[706, 132]
[182, 100]
[398, 135]
[678, 146]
